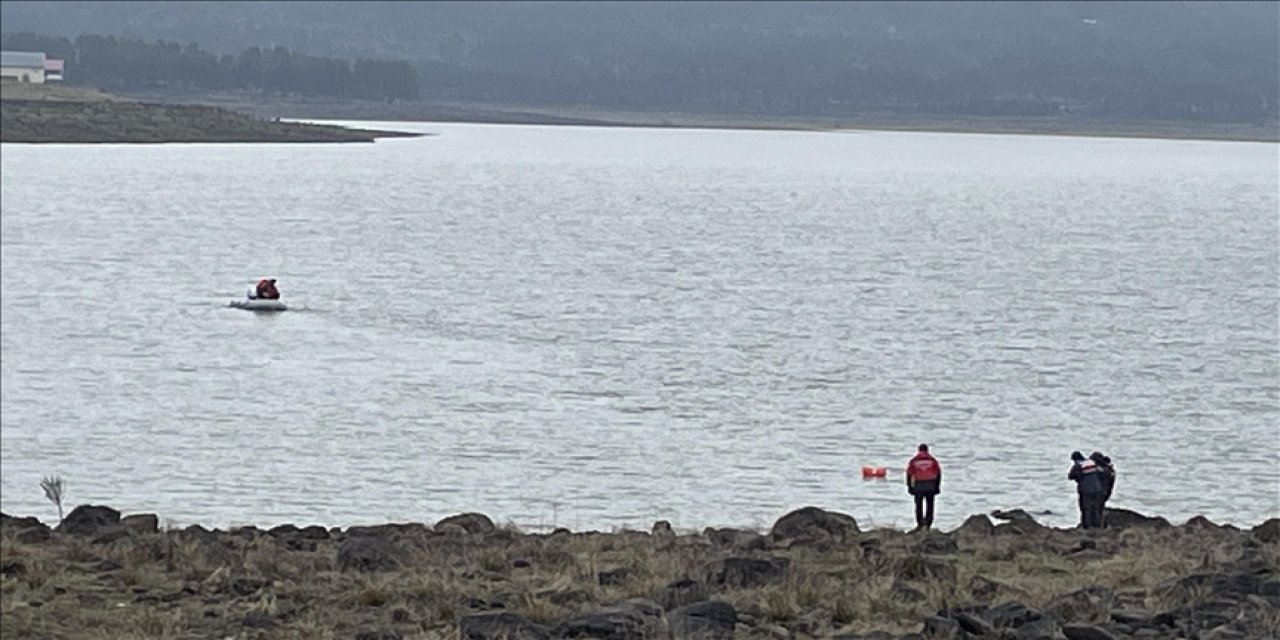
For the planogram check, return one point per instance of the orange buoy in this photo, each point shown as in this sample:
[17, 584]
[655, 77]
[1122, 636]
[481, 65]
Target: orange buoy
[874, 472]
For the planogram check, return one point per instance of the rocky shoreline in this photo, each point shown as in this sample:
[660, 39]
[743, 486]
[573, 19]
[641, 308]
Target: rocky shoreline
[40, 114]
[816, 574]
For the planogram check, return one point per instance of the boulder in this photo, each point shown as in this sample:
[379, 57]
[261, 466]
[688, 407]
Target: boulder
[939, 628]
[468, 522]
[33, 535]
[710, 620]
[107, 535]
[1015, 516]
[937, 543]
[141, 524]
[680, 593]
[813, 524]
[976, 525]
[747, 573]
[10, 524]
[1086, 632]
[1268, 532]
[368, 553]
[87, 519]
[1013, 615]
[500, 625]
[906, 593]
[1044, 628]
[974, 624]
[635, 619]
[1125, 519]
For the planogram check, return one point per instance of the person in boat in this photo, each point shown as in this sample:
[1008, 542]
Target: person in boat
[266, 289]
[1089, 489]
[924, 482]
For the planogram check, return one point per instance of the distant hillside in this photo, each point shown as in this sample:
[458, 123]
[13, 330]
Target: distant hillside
[1195, 61]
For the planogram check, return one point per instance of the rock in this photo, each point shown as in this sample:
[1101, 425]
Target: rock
[709, 620]
[613, 577]
[635, 619]
[983, 588]
[730, 537]
[87, 519]
[391, 530]
[937, 628]
[1132, 617]
[107, 535]
[368, 553]
[1267, 532]
[141, 524]
[1125, 519]
[814, 524]
[33, 535]
[1091, 604]
[680, 593]
[662, 528]
[11, 523]
[469, 522]
[500, 625]
[1015, 516]
[976, 525]
[378, 634]
[747, 573]
[974, 624]
[1044, 628]
[1013, 615]
[13, 568]
[1086, 632]
[401, 615]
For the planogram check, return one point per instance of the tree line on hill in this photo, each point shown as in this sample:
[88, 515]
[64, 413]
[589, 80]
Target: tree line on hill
[1198, 61]
[122, 64]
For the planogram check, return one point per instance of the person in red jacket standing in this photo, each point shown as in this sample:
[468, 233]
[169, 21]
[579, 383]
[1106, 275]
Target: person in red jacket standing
[924, 481]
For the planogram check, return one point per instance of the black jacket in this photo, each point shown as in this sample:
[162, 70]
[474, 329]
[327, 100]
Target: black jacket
[1088, 477]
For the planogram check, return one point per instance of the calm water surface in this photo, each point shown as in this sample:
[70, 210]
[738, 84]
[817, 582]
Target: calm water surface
[602, 327]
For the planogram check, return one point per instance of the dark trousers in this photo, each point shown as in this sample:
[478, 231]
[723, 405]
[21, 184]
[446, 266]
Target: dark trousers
[1091, 510]
[924, 510]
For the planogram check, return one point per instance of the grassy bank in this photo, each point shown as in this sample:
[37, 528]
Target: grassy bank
[327, 109]
[35, 113]
[814, 575]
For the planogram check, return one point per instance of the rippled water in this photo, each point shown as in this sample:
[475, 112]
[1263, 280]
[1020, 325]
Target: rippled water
[603, 327]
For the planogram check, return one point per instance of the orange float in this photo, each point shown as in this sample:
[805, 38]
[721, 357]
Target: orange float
[874, 472]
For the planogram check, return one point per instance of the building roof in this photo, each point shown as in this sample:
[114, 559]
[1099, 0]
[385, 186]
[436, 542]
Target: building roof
[27, 59]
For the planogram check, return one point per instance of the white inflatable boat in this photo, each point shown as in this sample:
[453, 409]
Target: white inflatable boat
[259, 304]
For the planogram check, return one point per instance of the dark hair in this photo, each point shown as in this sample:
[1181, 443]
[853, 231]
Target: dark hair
[1076, 455]
[922, 447]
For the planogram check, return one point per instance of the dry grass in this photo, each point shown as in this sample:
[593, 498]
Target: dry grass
[169, 585]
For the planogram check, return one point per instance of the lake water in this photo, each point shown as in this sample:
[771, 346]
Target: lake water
[599, 328]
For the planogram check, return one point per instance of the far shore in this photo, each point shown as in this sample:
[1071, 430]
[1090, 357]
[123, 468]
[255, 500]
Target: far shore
[42, 114]
[439, 111]
[814, 574]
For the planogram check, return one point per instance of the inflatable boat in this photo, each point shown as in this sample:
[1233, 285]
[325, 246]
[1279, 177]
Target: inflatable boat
[259, 304]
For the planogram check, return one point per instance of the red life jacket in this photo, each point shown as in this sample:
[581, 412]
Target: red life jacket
[923, 468]
[267, 290]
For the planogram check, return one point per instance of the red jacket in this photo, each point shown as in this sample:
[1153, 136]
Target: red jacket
[267, 290]
[924, 473]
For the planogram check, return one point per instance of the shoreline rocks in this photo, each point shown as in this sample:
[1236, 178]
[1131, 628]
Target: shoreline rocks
[814, 575]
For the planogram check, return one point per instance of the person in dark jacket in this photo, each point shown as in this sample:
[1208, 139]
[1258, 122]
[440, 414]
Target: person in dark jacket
[266, 289]
[924, 482]
[1089, 487]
